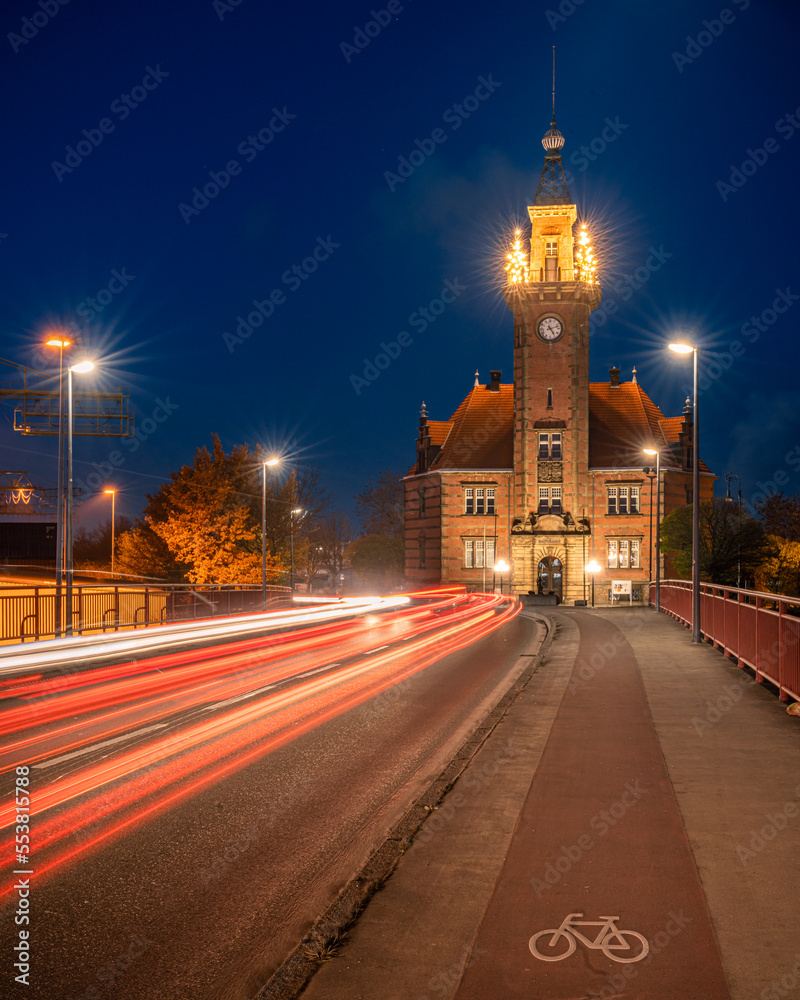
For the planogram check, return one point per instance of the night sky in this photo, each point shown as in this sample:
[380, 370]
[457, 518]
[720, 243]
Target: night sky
[682, 147]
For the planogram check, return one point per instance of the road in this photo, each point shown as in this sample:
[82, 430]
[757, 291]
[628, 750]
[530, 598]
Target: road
[193, 813]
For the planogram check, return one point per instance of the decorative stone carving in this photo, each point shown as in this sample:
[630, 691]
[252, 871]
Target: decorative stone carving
[550, 472]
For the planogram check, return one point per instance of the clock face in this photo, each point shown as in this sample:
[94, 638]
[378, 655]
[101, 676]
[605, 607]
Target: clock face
[550, 328]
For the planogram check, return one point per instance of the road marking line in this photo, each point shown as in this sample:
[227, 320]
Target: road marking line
[268, 687]
[99, 746]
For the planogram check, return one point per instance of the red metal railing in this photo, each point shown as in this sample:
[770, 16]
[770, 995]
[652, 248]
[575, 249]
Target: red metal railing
[761, 631]
[28, 612]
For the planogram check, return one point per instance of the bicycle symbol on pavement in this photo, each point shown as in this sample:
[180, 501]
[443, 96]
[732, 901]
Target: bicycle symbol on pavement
[613, 942]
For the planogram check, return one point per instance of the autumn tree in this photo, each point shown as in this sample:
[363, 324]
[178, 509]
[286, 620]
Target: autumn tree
[780, 515]
[142, 554]
[380, 505]
[729, 538]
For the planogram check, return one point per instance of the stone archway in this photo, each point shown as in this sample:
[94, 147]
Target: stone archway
[550, 576]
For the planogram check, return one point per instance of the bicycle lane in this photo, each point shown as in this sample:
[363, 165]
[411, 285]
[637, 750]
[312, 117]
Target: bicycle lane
[599, 835]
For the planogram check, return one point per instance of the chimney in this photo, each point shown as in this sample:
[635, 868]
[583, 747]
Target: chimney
[495, 385]
[614, 373]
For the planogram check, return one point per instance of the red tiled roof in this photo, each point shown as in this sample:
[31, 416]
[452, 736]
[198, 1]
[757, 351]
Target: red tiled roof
[481, 434]
[622, 421]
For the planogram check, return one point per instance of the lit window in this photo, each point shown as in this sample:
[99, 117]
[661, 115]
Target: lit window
[490, 544]
[623, 553]
[612, 499]
[635, 554]
[613, 550]
[475, 550]
[469, 501]
[551, 248]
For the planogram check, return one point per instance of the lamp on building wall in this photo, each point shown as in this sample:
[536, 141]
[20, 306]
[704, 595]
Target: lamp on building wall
[84, 366]
[657, 453]
[593, 568]
[692, 349]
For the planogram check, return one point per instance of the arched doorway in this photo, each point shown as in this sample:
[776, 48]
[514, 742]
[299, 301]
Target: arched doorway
[549, 578]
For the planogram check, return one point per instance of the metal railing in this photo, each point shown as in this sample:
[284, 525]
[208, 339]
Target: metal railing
[28, 612]
[762, 631]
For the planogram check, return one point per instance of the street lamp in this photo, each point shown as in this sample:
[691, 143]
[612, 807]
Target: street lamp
[696, 637]
[500, 567]
[296, 510]
[729, 498]
[657, 453]
[84, 366]
[61, 343]
[269, 462]
[593, 568]
[113, 499]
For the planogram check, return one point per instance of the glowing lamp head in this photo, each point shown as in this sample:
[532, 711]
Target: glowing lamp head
[272, 462]
[501, 566]
[61, 342]
[681, 348]
[593, 567]
[649, 451]
[109, 491]
[83, 366]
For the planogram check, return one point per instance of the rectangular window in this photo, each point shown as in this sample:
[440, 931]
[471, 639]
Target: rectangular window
[612, 499]
[475, 551]
[544, 499]
[635, 554]
[551, 248]
[555, 448]
[544, 447]
[634, 499]
[490, 501]
[469, 501]
[480, 506]
[490, 551]
[623, 554]
[555, 499]
[612, 554]
[623, 500]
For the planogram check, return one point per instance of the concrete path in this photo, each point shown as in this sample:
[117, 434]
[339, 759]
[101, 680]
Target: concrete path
[637, 777]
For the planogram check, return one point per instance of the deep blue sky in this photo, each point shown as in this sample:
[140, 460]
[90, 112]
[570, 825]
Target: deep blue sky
[681, 123]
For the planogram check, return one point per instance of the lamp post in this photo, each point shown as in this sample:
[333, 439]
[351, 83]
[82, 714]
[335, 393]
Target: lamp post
[501, 567]
[729, 498]
[593, 568]
[113, 499]
[269, 462]
[296, 510]
[84, 366]
[61, 343]
[691, 349]
[657, 453]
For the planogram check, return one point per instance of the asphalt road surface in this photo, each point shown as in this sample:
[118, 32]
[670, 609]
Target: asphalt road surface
[190, 820]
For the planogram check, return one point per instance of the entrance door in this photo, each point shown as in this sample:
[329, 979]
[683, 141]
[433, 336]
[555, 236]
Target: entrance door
[550, 577]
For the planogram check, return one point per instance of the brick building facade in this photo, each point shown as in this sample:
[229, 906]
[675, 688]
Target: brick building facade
[548, 473]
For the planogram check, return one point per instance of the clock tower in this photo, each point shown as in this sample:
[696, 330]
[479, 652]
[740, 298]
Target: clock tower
[552, 289]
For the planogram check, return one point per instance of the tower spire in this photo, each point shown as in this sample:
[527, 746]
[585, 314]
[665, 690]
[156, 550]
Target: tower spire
[552, 189]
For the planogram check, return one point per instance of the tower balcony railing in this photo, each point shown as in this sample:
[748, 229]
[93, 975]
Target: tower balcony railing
[759, 630]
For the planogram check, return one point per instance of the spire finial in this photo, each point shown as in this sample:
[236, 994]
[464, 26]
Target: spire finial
[634, 375]
[477, 383]
[423, 411]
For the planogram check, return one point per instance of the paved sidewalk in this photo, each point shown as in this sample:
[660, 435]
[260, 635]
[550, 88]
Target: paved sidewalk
[637, 777]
